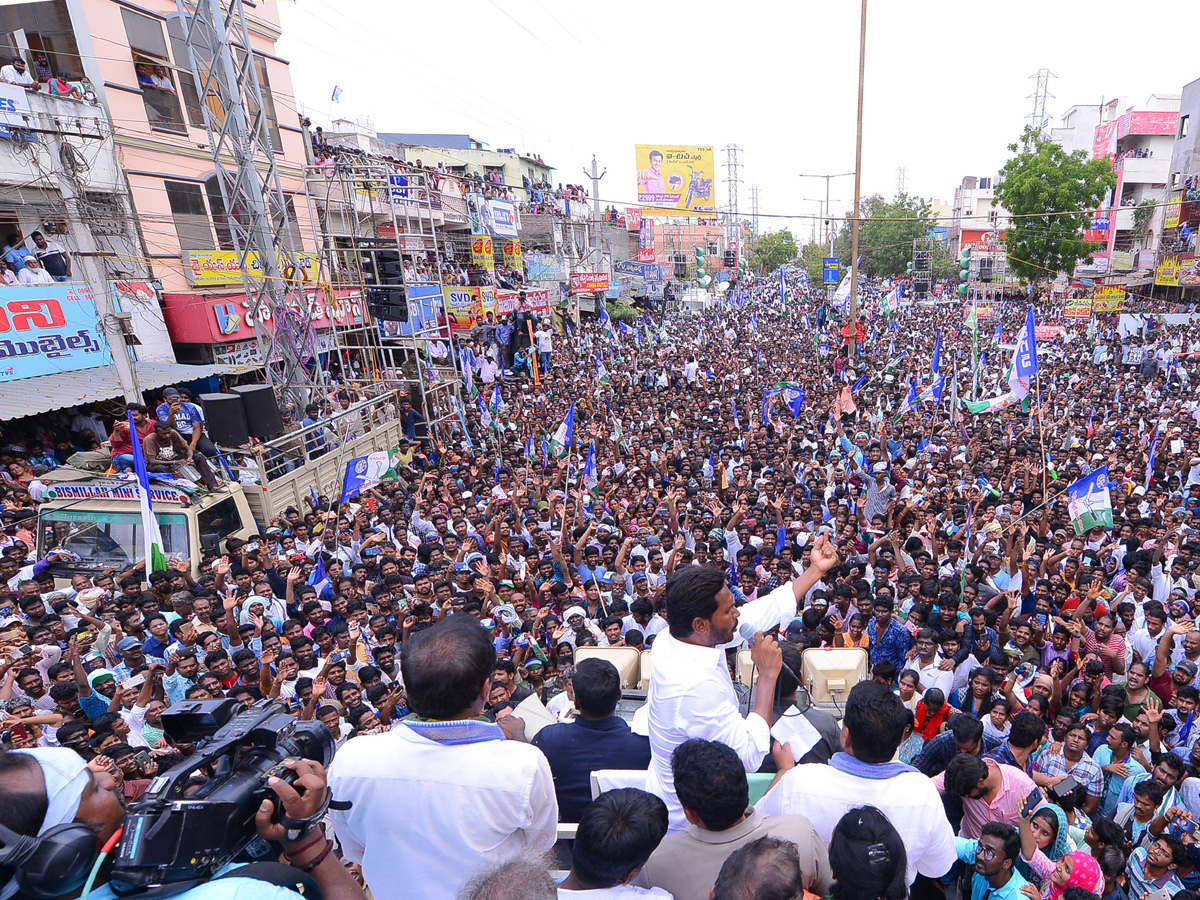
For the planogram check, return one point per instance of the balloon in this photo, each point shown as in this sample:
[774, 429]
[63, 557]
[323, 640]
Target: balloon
[707, 280]
[962, 290]
[700, 272]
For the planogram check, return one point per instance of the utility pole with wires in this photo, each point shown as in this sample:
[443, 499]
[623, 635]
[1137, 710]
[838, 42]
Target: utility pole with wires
[595, 226]
[900, 173]
[754, 211]
[1038, 118]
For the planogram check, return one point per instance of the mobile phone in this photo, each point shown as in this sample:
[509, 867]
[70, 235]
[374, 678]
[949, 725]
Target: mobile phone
[1040, 621]
[1032, 801]
[20, 732]
[142, 758]
[22, 651]
[1064, 787]
[1184, 824]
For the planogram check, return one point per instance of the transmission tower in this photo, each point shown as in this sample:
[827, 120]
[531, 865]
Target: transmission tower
[731, 178]
[900, 173]
[258, 217]
[1038, 118]
[754, 211]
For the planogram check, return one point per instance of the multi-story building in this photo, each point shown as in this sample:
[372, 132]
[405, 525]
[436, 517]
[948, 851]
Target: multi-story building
[1181, 215]
[1077, 130]
[1139, 142]
[461, 154]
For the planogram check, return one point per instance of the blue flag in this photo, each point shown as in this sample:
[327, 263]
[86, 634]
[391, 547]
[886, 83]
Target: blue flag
[1026, 359]
[736, 426]
[937, 353]
[794, 398]
[1153, 453]
[317, 575]
[858, 384]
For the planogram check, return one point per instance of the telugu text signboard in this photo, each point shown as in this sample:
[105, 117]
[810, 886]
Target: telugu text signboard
[1077, 309]
[1167, 272]
[675, 180]
[50, 328]
[206, 268]
[589, 282]
[1108, 298]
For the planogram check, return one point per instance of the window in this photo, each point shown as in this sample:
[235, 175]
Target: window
[264, 86]
[1183, 126]
[154, 76]
[216, 522]
[192, 224]
[220, 219]
[48, 35]
[183, 62]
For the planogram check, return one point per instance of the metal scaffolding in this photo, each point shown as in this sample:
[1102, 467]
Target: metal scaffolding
[256, 213]
[369, 213]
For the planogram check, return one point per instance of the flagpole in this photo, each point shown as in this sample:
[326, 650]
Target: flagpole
[1037, 383]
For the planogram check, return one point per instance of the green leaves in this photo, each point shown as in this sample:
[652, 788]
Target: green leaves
[1051, 194]
[774, 249]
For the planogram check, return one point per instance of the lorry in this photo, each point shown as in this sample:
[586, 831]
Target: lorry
[97, 516]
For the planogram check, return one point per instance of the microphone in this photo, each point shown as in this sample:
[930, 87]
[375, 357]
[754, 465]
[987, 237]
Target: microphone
[748, 633]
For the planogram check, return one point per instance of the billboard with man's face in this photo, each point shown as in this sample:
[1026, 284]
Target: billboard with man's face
[676, 180]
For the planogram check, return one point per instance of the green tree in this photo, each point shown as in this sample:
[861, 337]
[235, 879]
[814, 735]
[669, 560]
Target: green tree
[772, 250]
[886, 237]
[812, 259]
[1051, 194]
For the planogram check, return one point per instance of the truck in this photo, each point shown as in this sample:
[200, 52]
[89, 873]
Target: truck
[97, 516]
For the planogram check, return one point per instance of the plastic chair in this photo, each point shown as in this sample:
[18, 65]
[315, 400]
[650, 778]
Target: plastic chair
[626, 659]
[646, 670]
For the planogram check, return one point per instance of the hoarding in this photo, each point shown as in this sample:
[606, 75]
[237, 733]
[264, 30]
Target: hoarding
[424, 307]
[1171, 217]
[589, 282]
[1075, 310]
[205, 268]
[482, 254]
[50, 328]
[544, 267]
[644, 271]
[1167, 272]
[1189, 275]
[512, 253]
[1108, 298]
[501, 218]
[463, 305]
[675, 180]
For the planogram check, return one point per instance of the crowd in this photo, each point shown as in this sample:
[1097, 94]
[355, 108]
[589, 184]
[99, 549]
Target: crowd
[687, 485]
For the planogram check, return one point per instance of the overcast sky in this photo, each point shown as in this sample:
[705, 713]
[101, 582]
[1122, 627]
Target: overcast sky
[947, 84]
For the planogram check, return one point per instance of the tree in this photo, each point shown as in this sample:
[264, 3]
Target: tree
[812, 259]
[773, 250]
[886, 237]
[1051, 194]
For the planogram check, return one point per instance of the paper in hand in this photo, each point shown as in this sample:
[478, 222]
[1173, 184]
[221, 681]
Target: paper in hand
[795, 730]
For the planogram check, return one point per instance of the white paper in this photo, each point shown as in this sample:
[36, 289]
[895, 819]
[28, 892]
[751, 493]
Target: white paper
[794, 729]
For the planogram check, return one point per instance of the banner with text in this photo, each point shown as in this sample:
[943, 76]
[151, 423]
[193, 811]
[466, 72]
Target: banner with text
[50, 328]
[204, 268]
[512, 253]
[589, 282]
[1078, 309]
[482, 254]
[1108, 298]
[1166, 274]
[675, 180]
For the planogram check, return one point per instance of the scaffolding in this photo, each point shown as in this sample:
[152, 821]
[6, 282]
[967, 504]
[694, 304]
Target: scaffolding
[369, 214]
[235, 117]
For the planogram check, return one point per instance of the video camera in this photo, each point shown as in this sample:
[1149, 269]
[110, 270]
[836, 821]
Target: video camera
[196, 817]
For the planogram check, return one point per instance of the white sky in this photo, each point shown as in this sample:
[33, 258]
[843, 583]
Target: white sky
[947, 83]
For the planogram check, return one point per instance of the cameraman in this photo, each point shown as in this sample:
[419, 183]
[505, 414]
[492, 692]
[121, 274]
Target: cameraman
[47, 787]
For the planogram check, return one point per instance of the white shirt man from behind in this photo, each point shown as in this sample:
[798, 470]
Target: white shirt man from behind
[475, 794]
[691, 694]
[865, 775]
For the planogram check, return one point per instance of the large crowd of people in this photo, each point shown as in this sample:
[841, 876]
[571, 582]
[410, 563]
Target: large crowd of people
[692, 484]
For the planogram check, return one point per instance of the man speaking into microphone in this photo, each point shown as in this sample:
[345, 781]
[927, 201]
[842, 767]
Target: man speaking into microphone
[691, 694]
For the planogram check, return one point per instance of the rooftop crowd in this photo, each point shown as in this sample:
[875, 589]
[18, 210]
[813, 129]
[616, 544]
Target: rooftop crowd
[1027, 727]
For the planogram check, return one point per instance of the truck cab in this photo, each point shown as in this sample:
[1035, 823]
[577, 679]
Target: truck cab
[98, 519]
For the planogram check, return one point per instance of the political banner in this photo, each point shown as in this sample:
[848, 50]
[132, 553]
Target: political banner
[675, 180]
[500, 218]
[364, 473]
[544, 266]
[633, 218]
[1108, 298]
[589, 282]
[50, 328]
[1090, 503]
[424, 307]
[1078, 309]
[512, 253]
[482, 254]
[1166, 273]
[985, 311]
[1171, 216]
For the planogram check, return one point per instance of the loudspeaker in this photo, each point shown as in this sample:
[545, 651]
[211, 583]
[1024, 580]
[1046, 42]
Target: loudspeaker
[262, 410]
[225, 419]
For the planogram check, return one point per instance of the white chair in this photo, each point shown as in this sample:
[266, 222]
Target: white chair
[747, 674]
[645, 670]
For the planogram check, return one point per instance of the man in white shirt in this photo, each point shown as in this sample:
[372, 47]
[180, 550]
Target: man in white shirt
[33, 273]
[691, 694]
[476, 794]
[16, 73]
[928, 663]
[865, 775]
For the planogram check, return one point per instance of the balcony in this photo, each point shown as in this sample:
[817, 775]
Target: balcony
[1150, 170]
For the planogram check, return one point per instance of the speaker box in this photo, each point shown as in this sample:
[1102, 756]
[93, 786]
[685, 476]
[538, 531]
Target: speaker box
[262, 410]
[225, 419]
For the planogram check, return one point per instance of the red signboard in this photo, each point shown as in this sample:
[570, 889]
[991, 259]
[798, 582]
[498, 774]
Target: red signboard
[219, 319]
[589, 282]
[645, 254]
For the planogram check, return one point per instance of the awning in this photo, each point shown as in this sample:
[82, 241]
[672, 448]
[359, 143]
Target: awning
[30, 396]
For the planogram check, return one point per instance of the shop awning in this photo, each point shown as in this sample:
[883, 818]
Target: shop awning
[30, 396]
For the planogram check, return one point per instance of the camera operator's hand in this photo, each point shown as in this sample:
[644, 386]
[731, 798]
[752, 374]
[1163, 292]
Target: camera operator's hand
[295, 804]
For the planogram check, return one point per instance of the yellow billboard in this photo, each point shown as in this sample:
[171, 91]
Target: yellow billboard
[676, 180]
[205, 268]
[1167, 272]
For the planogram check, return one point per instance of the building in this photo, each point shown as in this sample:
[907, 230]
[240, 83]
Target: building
[461, 154]
[1077, 130]
[1140, 144]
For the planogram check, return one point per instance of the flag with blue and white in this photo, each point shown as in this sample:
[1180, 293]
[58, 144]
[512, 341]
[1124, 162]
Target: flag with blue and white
[1090, 503]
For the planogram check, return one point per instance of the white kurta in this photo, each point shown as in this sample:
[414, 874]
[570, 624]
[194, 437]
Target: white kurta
[425, 815]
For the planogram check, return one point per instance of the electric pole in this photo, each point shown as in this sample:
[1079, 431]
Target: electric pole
[900, 173]
[828, 216]
[1038, 118]
[595, 241]
[862, 58]
[731, 184]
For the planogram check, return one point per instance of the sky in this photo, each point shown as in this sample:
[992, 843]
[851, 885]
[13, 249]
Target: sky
[947, 85]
